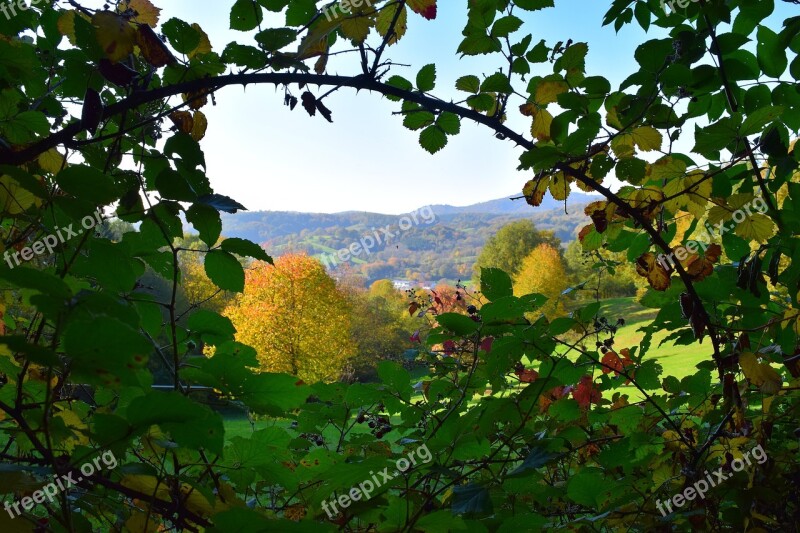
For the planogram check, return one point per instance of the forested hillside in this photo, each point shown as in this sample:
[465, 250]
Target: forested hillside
[438, 247]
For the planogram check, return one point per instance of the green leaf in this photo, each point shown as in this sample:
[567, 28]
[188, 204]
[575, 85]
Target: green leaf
[426, 78]
[771, 55]
[505, 26]
[458, 324]
[246, 15]
[224, 271]
[181, 35]
[106, 352]
[755, 121]
[497, 83]
[89, 184]
[209, 324]
[449, 123]
[188, 423]
[273, 39]
[495, 283]
[206, 221]
[433, 139]
[586, 486]
[471, 499]
[245, 248]
[470, 84]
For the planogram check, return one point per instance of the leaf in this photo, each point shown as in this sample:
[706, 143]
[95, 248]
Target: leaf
[245, 248]
[470, 84]
[471, 499]
[92, 111]
[246, 15]
[206, 221]
[540, 128]
[189, 423]
[587, 392]
[538, 457]
[762, 375]
[771, 54]
[433, 139]
[756, 227]
[426, 78]
[657, 275]
[146, 12]
[548, 91]
[153, 48]
[495, 283]
[221, 203]
[426, 8]
[458, 324]
[384, 22]
[199, 126]
[647, 138]
[115, 35]
[224, 271]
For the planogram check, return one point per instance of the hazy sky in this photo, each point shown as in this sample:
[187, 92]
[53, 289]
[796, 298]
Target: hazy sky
[268, 157]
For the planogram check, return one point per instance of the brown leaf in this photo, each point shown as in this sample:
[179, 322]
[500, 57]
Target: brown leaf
[115, 34]
[153, 48]
[658, 276]
[309, 103]
[117, 73]
[324, 111]
[92, 112]
[183, 120]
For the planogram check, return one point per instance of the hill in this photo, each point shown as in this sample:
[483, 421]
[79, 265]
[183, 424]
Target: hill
[432, 243]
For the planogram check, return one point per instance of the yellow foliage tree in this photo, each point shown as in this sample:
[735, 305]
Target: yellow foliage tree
[543, 272]
[295, 317]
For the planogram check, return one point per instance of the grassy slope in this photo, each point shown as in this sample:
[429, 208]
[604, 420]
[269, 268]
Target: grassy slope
[678, 361]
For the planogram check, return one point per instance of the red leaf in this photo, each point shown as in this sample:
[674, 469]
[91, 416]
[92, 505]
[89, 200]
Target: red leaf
[486, 344]
[449, 347]
[586, 392]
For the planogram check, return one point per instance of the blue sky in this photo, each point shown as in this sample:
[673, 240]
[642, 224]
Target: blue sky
[270, 158]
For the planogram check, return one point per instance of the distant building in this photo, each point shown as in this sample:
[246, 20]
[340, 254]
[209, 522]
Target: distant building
[401, 284]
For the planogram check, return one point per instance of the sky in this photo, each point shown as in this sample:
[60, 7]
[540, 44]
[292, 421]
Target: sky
[270, 158]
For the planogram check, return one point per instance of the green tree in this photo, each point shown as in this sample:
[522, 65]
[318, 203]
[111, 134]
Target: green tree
[512, 243]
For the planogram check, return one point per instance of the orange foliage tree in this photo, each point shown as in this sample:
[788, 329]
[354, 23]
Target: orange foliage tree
[295, 317]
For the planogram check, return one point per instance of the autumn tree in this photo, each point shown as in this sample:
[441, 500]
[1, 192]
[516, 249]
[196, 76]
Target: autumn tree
[543, 272]
[295, 317]
[512, 243]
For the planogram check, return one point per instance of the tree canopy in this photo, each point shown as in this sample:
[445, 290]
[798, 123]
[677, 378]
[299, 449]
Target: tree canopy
[527, 424]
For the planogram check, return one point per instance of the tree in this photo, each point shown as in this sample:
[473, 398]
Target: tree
[512, 243]
[543, 272]
[98, 110]
[295, 317]
[602, 274]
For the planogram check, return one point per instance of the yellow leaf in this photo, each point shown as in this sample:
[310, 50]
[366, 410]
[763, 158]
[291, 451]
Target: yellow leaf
[356, 27]
[51, 161]
[762, 375]
[199, 127]
[667, 168]
[540, 129]
[647, 138]
[142, 522]
[66, 25]
[755, 227]
[115, 34]
[13, 198]
[647, 266]
[559, 186]
[204, 46]
[699, 193]
[548, 91]
[385, 18]
[146, 12]
[534, 190]
[612, 119]
[623, 145]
